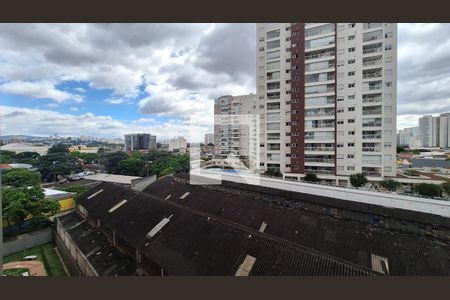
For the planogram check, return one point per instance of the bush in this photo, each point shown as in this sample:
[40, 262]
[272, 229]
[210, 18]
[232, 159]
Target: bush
[390, 184]
[412, 173]
[311, 177]
[273, 172]
[428, 190]
[446, 188]
[358, 180]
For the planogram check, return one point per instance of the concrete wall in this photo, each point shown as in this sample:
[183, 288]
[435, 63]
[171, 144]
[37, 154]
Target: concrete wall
[28, 240]
[431, 206]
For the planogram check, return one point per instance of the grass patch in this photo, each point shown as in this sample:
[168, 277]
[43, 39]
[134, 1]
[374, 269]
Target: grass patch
[15, 272]
[46, 254]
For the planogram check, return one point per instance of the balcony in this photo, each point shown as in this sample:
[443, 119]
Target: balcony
[319, 79]
[320, 55]
[372, 124]
[371, 149]
[319, 114]
[371, 112]
[372, 50]
[367, 26]
[319, 171]
[372, 62]
[372, 173]
[275, 107]
[372, 75]
[371, 136]
[320, 125]
[371, 99]
[327, 90]
[320, 160]
[375, 87]
[319, 148]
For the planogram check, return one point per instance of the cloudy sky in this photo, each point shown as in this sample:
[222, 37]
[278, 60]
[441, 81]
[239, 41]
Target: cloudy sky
[111, 79]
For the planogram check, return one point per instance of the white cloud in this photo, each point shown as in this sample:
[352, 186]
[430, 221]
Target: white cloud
[74, 108]
[16, 120]
[39, 90]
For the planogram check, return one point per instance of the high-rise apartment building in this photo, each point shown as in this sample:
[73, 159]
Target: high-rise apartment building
[209, 138]
[178, 144]
[426, 130]
[235, 127]
[140, 141]
[410, 137]
[327, 95]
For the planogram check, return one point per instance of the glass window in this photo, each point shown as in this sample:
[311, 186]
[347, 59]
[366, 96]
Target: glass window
[319, 42]
[273, 44]
[273, 54]
[274, 65]
[273, 34]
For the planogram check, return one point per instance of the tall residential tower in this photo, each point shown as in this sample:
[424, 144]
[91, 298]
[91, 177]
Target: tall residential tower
[327, 95]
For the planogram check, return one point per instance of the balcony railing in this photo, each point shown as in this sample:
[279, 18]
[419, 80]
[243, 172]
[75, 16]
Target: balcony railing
[372, 75]
[372, 99]
[371, 173]
[320, 79]
[273, 97]
[320, 126]
[371, 62]
[371, 149]
[320, 160]
[372, 25]
[273, 77]
[320, 114]
[327, 90]
[372, 38]
[273, 107]
[372, 50]
[319, 148]
[372, 88]
[319, 171]
[318, 68]
[372, 112]
[371, 136]
[331, 101]
[319, 55]
[372, 124]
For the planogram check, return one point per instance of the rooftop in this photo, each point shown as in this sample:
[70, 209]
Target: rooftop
[123, 179]
[288, 233]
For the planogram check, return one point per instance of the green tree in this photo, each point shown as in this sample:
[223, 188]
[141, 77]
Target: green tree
[20, 177]
[54, 164]
[428, 190]
[6, 156]
[131, 166]
[26, 157]
[311, 177]
[446, 188]
[111, 161]
[58, 148]
[358, 180]
[20, 204]
[390, 184]
[88, 158]
[273, 172]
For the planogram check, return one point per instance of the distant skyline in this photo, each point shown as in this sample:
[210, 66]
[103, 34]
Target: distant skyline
[106, 80]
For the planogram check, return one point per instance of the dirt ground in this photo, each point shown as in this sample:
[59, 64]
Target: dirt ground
[35, 268]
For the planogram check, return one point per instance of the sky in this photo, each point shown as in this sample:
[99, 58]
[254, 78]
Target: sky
[107, 80]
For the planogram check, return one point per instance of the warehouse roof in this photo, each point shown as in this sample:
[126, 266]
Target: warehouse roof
[186, 241]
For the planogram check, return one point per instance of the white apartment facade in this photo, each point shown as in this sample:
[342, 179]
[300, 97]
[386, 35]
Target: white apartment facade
[435, 130]
[209, 138]
[410, 136]
[327, 98]
[178, 144]
[235, 127]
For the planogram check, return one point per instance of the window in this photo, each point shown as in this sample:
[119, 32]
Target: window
[261, 49]
[387, 145]
[351, 73]
[388, 59]
[351, 144]
[340, 63]
[351, 168]
[340, 121]
[351, 133]
[351, 156]
[351, 61]
[388, 35]
[273, 44]
[389, 83]
[351, 85]
[273, 54]
[340, 110]
[388, 47]
[351, 97]
[351, 37]
[273, 65]
[340, 99]
[352, 49]
[273, 34]
[351, 25]
[329, 40]
[339, 145]
[351, 108]
[350, 121]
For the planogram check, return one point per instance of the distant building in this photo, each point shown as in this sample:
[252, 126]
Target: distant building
[435, 131]
[178, 144]
[140, 141]
[410, 136]
[426, 130]
[209, 138]
[232, 134]
[83, 149]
